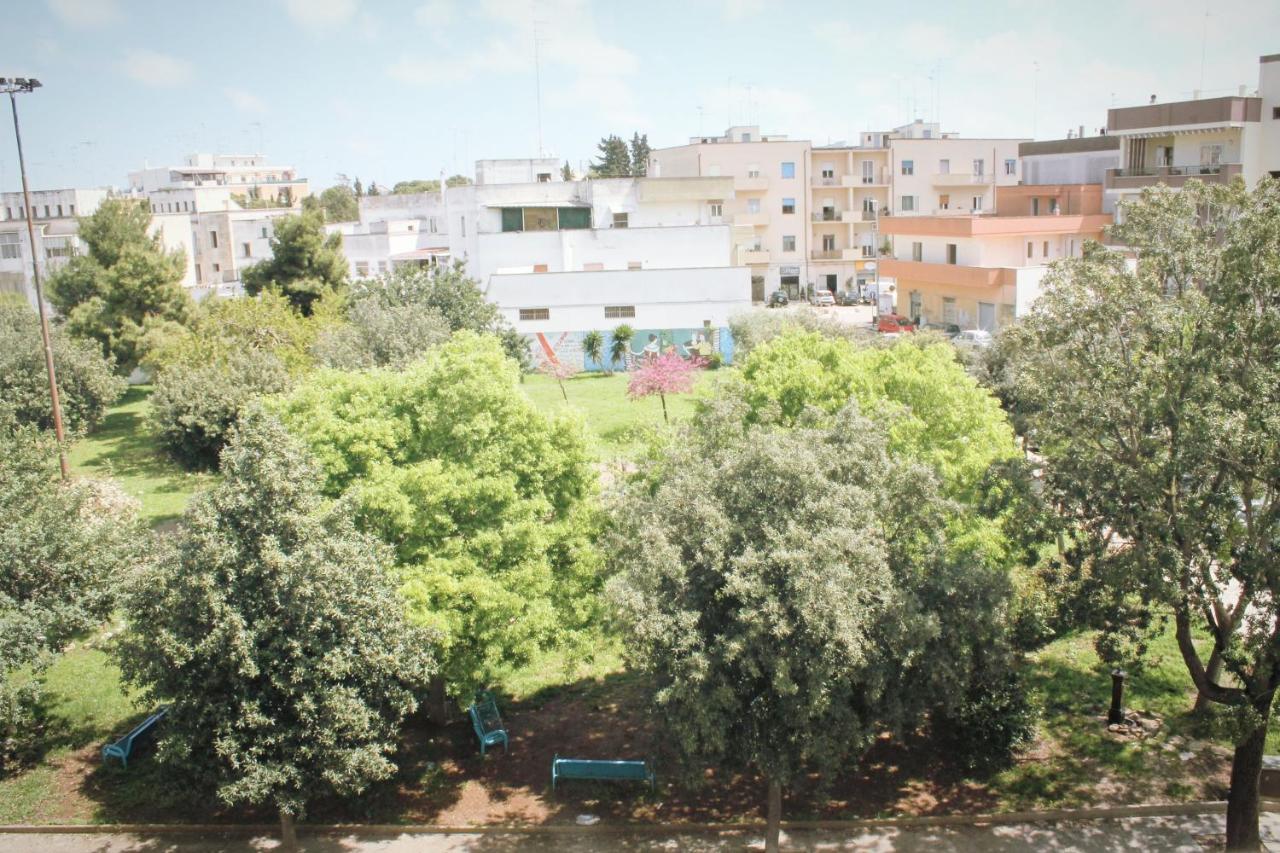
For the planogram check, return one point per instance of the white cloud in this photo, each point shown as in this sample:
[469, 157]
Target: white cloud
[246, 102]
[320, 15]
[86, 13]
[156, 69]
[435, 13]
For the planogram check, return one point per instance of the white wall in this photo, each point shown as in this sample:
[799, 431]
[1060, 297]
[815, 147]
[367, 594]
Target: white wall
[663, 299]
[516, 171]
[1083, 167]
[926, 154]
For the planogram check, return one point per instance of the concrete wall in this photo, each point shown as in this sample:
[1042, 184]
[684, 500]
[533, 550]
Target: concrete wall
[1087, 167]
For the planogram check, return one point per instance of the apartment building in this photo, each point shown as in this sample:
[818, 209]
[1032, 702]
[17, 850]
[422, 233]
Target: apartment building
[1208, 139]
[205, 182]
[848, 190]
[57, 229]
[942, 174]
[981, 270]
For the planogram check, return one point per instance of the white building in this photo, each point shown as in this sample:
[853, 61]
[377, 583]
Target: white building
[57, 229]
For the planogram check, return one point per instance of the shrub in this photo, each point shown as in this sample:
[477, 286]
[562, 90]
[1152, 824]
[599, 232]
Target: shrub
[378, 335]
[87, 383]
[759, 326]
[993, 720]
[194, 406]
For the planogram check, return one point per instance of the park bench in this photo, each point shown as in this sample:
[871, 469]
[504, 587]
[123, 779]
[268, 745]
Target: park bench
[487, 722]
[124, 746]
[585, 768]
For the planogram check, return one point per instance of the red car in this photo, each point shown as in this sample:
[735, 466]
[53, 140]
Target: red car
[894, 324]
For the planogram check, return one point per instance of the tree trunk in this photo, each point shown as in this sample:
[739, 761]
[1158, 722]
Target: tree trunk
[774, 820]
[1246, 766]
[288, 837]
[1214, 670]
[438, 702]
[663, 398]
[562, 391]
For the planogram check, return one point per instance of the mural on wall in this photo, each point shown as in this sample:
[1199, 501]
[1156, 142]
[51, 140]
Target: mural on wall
[566, 347]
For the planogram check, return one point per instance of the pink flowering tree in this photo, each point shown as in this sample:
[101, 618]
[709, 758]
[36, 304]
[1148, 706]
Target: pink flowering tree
[663, 374]
[559, 371]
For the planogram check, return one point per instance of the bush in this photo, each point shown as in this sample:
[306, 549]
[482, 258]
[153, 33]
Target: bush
[87, 383]
[995, 718]
[759, 326]
[378, 335]
[194, 406]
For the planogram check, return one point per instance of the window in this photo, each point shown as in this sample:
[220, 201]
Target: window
[917, 251]
[951, 253]
[1053, 207]
[1031, 249]
[1011, 167]
[575, 218]
[462, 221]
[199, 277]
[72, 210]
[717, 209]
[8, 213]
[948, 309]
[59, 211]
[908, 203]
[828, 172]
[46, 209]
[619, 312]
[788, 170]
[544, 177]
[1275, 112]
[217, 268]
[828, 242]
[753, 205]
[539, 219]
[620, 220]
[1035, 207]
[430, 222]
[944, 167]
[977, 202]
[634, 265]
[788, 243]
[512, 219]
[908, 167]
[264, 232]
[1045, 252]
[362, 268]
[213, 239]
[979, 167]
[9, 246]
[535, 313]
[753, 170]
[944, 201]
[248, 250]
[788, 205]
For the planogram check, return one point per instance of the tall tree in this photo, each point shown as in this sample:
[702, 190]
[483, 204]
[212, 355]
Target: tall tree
[125, 282]
[358, 188]
[1154, 396]
[414, 187]
[639, 154]
[615, 158]
[458, 181]
[790, 592]
[339, 204]
[305, 263]
[620, 345]
[593, 347]
[566, 173]
[274, 634]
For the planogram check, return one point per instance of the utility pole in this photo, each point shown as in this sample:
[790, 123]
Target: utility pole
[13, 85]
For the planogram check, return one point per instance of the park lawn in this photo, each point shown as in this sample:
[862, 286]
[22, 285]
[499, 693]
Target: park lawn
[616, 422]
[124, 449]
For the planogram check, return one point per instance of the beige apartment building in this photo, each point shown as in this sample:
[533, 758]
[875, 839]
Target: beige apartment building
[809, 216]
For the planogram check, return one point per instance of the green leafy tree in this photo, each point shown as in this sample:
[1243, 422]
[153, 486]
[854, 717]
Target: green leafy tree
[340, 204]
[125, 281]
[1153, 397]
[87, 383]
[620, 345]
[64, 548]
[615, 159]
[640, 154]
[566, 172]
[488, 503]
[377, 335]
[359, 189]
[415, 187]
[593, 347]
[373, 189]
[458, 181]
[274, 634]
[790, 592]
[305, 264]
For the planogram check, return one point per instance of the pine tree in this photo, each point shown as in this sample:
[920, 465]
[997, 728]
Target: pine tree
[615, 159]
[639, 154]
[566, 173]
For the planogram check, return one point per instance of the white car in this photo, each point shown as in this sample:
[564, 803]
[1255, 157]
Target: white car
[973, 338]
[822, 298]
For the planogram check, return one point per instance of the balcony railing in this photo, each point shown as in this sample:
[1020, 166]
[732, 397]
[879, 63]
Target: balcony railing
[821, 181]
[827, 254]
[869, 216]
[1173, 176]
[827, 214]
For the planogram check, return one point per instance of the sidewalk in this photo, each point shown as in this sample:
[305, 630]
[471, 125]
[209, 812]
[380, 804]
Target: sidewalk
[1189, 833]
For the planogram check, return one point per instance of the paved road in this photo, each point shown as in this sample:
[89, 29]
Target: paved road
[1192, 834]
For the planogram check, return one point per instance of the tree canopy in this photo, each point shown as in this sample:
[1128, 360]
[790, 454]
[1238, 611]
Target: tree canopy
[1153, 396]
[274, 634]
[305, 264]
[614, 160]
[339, 204]
[487, 502]
[124, 283]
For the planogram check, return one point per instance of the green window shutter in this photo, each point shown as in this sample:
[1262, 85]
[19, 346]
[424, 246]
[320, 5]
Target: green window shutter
[575, 217]
[512, 219]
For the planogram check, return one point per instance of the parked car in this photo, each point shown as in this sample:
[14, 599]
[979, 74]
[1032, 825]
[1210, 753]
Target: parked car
[846, 298]
[948, 329]
[979, 338]
[778, 299]
[822, 298]
[894, 324]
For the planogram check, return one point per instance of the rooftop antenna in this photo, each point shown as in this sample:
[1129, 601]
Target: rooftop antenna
[1035, 98]
[700, 130]
[728, 100]
[1204, 40]
[537, 77]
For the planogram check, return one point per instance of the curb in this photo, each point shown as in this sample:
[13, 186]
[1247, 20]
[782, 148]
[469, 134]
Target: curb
[1047, 816]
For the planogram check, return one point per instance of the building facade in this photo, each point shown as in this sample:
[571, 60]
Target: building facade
[57, 234]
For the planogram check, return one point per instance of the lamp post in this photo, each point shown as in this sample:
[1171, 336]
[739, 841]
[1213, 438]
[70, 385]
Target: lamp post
[14, 85]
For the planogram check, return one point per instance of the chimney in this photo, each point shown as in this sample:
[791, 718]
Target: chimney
[1081, 133]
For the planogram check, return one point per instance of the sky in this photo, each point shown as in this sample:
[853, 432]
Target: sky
[396, 90]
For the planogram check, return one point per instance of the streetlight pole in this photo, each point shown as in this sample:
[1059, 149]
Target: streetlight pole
[13, 85]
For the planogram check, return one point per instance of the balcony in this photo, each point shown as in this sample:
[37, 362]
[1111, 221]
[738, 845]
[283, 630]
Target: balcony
[868, 216]
[876, 178]
[828, 214]
[962, 180]
[948, 274]
[820, 182]
[751, 184]
[747, 256]
[827, 254]
[1170, 176]
[750, 220]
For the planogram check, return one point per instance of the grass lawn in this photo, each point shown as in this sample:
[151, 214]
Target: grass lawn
[616, 421]
[122, 447]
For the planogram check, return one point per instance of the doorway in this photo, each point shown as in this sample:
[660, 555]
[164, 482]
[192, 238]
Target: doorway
[832, 280]
[987, 316]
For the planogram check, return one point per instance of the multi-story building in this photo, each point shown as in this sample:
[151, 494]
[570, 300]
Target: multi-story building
[1209, 139]
[942, 174]
[848, 190]
[561, 258]
[981, 270]
[207, 182]
[54, 213]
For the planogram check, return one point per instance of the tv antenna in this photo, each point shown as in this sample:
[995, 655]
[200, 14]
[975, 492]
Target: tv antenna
[537, 77]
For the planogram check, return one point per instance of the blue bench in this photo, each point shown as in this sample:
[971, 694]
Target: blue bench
[586, 768]
[124, 746]
[487, 722]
